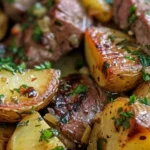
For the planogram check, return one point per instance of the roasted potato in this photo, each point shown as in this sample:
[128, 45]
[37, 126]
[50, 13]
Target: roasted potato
[22, 93]
[122, 127]
[112, 59]
[3, 24]
[143, 91]
[100, 9]
[29, 132]
[6, 131]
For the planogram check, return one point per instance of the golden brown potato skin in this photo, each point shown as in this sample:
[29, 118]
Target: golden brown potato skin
[136, 137]
[6, 131]
[44, 83]
[122, 74]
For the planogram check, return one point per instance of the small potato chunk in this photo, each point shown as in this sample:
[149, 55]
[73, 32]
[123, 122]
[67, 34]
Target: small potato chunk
[22, 93]
[143, 91]
[3, 24]
[100, 9]
[112, 59]
[27, 135]
[6, 131]
[122, 127]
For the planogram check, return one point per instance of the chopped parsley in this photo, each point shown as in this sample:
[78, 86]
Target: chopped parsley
[111, 38]
[132, 15]
[8, 65]
[133, 99]
[46, 65]
[101, 143]
[47, 134]
[59, 148]
[146, 77]
[37, 34]
[123, 120]
[144, 60]
[144, 101]
[79, 90]
[10, 1]
[23, 123]
[2, 98]
[129, 57]
[50, 3]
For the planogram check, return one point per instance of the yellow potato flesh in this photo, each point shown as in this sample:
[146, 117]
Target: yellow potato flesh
[27, 137]
[99, 9]
[137, 136]
[44, 83]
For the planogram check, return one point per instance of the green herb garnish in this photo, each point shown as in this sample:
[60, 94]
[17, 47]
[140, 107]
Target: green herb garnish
[132, 14]
[23, 123]
[50, 3]
[144, 100]
[146, 77]
[59, 148]
[132, 99]
[10, 1]
[111, 38]
[8, 65]
[47, 134]
[46, 65]
[79, 90]
[37, 34]
[123, 120]
[101, 143]
[2, 98]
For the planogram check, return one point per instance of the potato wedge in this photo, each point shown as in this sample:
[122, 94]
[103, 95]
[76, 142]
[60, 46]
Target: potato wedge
[100, 9]
[143, 91]
[111, 56]
[3, 24]
[21, 93]
[122, 127]
[6, 131]
[27, 136]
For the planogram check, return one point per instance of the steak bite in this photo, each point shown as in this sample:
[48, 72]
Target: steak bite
[53, 33]
[76, 102]
[134, 14]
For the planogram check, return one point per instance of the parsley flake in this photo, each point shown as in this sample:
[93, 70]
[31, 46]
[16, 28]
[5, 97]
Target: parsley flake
[46, 65]
[47, 134]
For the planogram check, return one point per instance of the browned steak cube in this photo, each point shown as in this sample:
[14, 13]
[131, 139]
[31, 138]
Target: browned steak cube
[134, 14]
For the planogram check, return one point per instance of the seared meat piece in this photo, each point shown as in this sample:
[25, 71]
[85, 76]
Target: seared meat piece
[17, 10]
[57, 32]
[136, 15]
[76, 103]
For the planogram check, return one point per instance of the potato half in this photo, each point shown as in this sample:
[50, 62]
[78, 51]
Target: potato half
[100, 9]
[6, 131]
[112, 59]
[133, 132]
[27, 135]
[22, 93]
